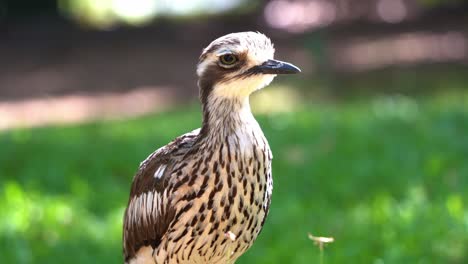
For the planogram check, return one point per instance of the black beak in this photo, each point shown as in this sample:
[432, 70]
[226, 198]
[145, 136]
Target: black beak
[277, 67]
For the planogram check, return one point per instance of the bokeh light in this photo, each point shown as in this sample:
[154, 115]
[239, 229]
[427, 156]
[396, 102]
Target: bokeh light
[108, 13]
[298, 16]
[391, 11]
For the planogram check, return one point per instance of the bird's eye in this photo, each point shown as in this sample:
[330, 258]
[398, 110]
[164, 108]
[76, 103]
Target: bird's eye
[228, 60]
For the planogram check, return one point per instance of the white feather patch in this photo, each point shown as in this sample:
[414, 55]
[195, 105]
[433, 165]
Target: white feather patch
[160, 172]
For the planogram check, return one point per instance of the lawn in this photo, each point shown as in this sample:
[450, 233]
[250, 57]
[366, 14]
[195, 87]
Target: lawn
[387, 177]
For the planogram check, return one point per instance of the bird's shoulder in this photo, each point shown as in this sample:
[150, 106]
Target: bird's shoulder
[150, 210]
[155, 171]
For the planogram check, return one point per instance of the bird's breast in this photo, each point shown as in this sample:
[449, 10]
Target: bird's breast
[224, 203]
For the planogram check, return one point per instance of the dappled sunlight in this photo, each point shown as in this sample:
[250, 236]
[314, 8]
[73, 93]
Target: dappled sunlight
[455, 207]
[105, 14]
[299, 16]
[395, 221]
[135, 11]
[28, 211]
[82, 108]
[49, 220]
[399, 107]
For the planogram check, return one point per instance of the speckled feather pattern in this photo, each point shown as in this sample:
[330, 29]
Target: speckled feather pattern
[189, 194]
[229, 194]
[222, 183]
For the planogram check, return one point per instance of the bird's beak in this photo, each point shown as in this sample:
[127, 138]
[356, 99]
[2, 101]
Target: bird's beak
[277, 67]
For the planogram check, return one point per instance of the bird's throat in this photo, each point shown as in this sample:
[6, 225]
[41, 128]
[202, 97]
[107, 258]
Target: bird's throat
[224, 117]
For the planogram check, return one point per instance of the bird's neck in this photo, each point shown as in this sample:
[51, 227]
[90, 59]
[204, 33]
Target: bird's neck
[226, 117]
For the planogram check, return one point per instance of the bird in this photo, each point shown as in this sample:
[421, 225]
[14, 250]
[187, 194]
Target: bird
[204, 197]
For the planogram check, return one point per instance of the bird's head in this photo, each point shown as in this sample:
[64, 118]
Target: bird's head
[235, 65]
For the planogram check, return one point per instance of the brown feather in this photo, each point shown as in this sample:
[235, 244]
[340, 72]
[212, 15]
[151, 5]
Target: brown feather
[143, 227]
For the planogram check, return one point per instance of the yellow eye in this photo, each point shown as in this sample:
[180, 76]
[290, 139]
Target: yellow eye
[228, 60]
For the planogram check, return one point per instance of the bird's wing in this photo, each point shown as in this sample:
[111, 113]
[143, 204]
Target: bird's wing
[150, 210]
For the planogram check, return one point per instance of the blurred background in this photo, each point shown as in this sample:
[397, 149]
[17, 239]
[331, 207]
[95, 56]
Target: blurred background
[370, 141]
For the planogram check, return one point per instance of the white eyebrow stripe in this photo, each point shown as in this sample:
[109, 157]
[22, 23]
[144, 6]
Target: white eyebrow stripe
[160, 171]
[224, 52]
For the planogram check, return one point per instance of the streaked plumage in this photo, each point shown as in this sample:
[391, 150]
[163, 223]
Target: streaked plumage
[204, 197]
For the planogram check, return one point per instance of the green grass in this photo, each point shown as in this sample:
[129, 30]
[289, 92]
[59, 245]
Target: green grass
[386, 177]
